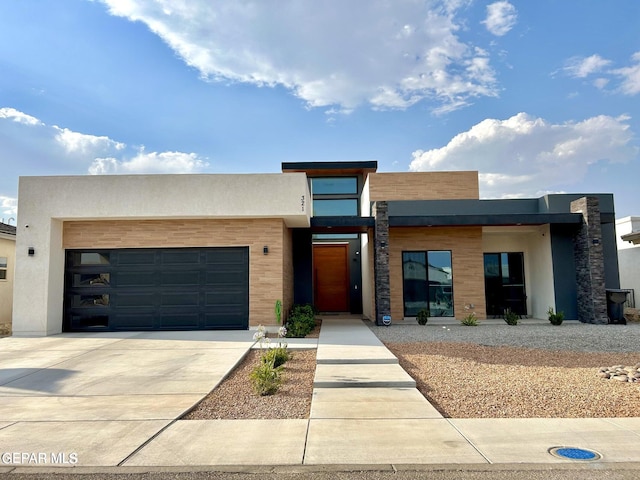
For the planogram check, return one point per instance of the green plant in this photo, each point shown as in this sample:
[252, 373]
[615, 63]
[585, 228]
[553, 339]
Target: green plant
[301, 321]
[510, 317]
[266, 379]
[276, 356]
[555, 318]
[423, 316]
[470, 320]
[278, 311]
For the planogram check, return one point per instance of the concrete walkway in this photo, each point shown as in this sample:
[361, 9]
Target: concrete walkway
[113, 399]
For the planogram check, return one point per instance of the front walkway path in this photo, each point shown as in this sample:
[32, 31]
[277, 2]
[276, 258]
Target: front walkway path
[55, 398]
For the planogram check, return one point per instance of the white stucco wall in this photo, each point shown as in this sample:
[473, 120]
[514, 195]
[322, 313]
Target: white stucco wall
[367, 281]
[629, 256]
[45, 202]
[535, 243]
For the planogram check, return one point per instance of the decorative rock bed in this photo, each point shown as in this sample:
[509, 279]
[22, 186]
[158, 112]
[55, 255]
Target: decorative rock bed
[621, 373]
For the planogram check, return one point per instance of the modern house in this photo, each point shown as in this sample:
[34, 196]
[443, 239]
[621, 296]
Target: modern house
[7, 265]
[216, 251]
[628, 230]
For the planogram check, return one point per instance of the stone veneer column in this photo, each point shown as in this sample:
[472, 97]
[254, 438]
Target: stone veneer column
[382, 287]
[589, 260]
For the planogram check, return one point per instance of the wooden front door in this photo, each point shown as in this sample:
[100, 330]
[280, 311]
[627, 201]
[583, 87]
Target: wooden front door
[331, 277]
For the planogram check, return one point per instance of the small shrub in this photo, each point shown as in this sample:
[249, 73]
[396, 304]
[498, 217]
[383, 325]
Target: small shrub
[555, 318]
[470, 320]
[266, 379]
[301, 321]
[423, 316]
[510, 317]
[276, 356]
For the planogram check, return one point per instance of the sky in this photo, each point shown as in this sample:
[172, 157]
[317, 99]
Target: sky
[537, 96]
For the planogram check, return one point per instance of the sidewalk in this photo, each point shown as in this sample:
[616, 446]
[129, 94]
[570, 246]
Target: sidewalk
[365, 411]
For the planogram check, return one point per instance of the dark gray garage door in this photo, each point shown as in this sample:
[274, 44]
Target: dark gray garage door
[157, 289]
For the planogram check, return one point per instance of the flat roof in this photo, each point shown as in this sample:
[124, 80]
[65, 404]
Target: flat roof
[331, 168]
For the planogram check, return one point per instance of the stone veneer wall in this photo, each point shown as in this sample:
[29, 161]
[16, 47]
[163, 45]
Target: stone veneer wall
[465, 244]
[589, 261]
[382, 293]
[268, 275]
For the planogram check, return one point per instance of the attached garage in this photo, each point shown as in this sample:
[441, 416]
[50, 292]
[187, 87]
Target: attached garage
[156, 289]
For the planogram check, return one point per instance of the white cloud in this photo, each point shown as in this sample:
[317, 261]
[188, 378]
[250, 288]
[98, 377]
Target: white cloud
[32, 146]
[75, 142]
[8, 207]
[630, 76]
[18, 117]
[524, 155]
[153, 162]
[581, 67]
[330, 53]
[501, 17]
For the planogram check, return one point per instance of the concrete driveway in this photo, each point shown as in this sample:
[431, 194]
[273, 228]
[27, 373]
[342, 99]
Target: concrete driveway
[95, 398]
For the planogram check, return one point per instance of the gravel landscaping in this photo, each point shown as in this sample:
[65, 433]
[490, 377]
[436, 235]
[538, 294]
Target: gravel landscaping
[471, 372]
[235, 399]
[519, 371]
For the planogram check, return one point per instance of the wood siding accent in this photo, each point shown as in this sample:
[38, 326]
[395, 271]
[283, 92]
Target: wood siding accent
[465, 244]
[267, 273]
[423, 186]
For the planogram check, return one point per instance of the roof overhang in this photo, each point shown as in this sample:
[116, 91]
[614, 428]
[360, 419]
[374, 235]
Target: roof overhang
[331, 168]
[633, 237]
[485, 220]
[341, 224]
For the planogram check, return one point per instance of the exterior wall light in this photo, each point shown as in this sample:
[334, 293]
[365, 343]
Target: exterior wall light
[265, 250]
[31, 251]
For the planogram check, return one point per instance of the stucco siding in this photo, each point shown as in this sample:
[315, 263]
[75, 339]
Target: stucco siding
[465, 244]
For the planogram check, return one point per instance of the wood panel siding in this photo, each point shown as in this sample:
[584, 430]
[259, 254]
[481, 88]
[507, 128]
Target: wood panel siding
[423, 186]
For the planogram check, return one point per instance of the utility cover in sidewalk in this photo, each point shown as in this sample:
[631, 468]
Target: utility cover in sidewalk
[572, 453]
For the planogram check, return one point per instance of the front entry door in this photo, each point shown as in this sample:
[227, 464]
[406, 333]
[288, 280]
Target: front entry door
[331, 277]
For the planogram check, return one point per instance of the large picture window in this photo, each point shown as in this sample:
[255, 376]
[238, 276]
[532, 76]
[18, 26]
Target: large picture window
[427, 283]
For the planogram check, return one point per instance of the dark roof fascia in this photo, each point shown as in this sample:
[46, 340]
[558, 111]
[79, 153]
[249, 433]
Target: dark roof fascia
[342, 224]
[486, 220]
[331, 167]
[7, 229]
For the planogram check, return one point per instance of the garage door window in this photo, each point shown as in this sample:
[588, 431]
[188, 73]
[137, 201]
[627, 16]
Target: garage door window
[157, 289]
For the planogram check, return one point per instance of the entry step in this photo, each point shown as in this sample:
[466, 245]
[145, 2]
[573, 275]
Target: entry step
[362, 376]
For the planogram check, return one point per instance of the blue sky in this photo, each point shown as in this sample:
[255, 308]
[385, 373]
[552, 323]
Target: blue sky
[537, 96]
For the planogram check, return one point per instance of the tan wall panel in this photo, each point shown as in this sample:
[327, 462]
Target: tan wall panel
[423, 186]
[7, 250]
[465, 244]
[266, 284]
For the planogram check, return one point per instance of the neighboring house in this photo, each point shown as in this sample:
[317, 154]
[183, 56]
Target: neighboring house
[7, 265]
[216, 251]
[628, 230]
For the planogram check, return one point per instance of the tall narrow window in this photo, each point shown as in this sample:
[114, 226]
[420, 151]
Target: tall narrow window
[504, 283]
[3, 268]
[427, 283]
